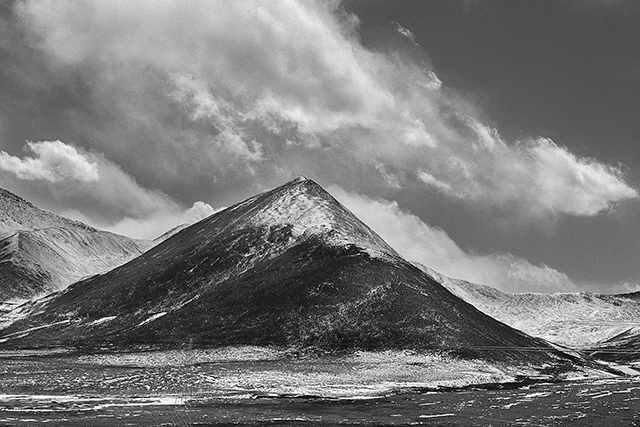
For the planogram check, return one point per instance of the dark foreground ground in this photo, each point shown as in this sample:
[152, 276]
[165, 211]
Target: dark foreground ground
[368, 390]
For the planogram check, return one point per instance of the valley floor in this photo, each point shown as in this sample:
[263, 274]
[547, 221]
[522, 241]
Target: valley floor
[252, 385]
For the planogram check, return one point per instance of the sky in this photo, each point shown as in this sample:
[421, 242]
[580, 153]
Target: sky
[494, 141]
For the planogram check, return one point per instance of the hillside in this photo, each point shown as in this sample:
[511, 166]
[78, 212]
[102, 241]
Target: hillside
[42, 252]
[18, 214]
[581, 320]
[289, 267]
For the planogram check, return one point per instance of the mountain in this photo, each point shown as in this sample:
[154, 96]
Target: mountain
[42, 252]
[288, 267]
[581, 320]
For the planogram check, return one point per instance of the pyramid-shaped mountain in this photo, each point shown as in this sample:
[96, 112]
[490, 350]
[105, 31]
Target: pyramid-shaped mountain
[288, 267]
[42, 252]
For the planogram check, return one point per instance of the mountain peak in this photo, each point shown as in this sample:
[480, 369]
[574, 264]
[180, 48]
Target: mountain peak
[309, 210]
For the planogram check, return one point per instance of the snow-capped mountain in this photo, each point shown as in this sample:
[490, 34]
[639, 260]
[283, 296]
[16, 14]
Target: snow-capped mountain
[42, 252]
[580, 320]
[289, 267]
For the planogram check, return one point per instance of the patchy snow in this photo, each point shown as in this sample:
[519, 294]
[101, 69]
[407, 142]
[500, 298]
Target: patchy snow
[11, 311]
[25, 332]
[152, 318]
[437, 415]
[102, 320]
[86, 403]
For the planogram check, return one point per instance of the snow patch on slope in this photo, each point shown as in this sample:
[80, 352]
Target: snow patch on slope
[102, 320]
[152, 318]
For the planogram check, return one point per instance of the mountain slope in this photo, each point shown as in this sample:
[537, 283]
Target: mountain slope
[579, 320]
[41, 251]
[289, 267]
[18, 214]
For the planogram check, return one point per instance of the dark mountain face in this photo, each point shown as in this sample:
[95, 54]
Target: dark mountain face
[42, 252]
[289, 267]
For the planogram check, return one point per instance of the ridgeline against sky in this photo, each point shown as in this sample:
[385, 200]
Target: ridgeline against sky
[491, 140]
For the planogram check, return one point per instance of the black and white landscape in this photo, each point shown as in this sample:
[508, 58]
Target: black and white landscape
[462, 249]
[288, 296]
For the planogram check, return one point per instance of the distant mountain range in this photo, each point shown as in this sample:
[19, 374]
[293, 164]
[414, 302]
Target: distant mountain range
[288, 267]
[607, 326]
[42, 252]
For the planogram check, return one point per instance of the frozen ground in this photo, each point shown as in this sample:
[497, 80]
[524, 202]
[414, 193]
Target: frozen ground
[241, 372]
[253, 385]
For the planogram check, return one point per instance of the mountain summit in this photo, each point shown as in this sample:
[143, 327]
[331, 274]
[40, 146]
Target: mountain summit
[42, 252]
[288, 267]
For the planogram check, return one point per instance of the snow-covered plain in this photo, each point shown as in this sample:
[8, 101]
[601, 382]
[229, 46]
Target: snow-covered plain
[252, 385]
[246, 371]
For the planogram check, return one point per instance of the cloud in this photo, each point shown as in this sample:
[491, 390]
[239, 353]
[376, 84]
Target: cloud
[535, 178]
[576, 186]
[53, 161]
[241, 92]
[417, 241]
[434, 182]
[249, 48]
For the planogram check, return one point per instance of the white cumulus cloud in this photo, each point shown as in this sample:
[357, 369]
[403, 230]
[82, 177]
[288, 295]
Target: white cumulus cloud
[52, 161]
